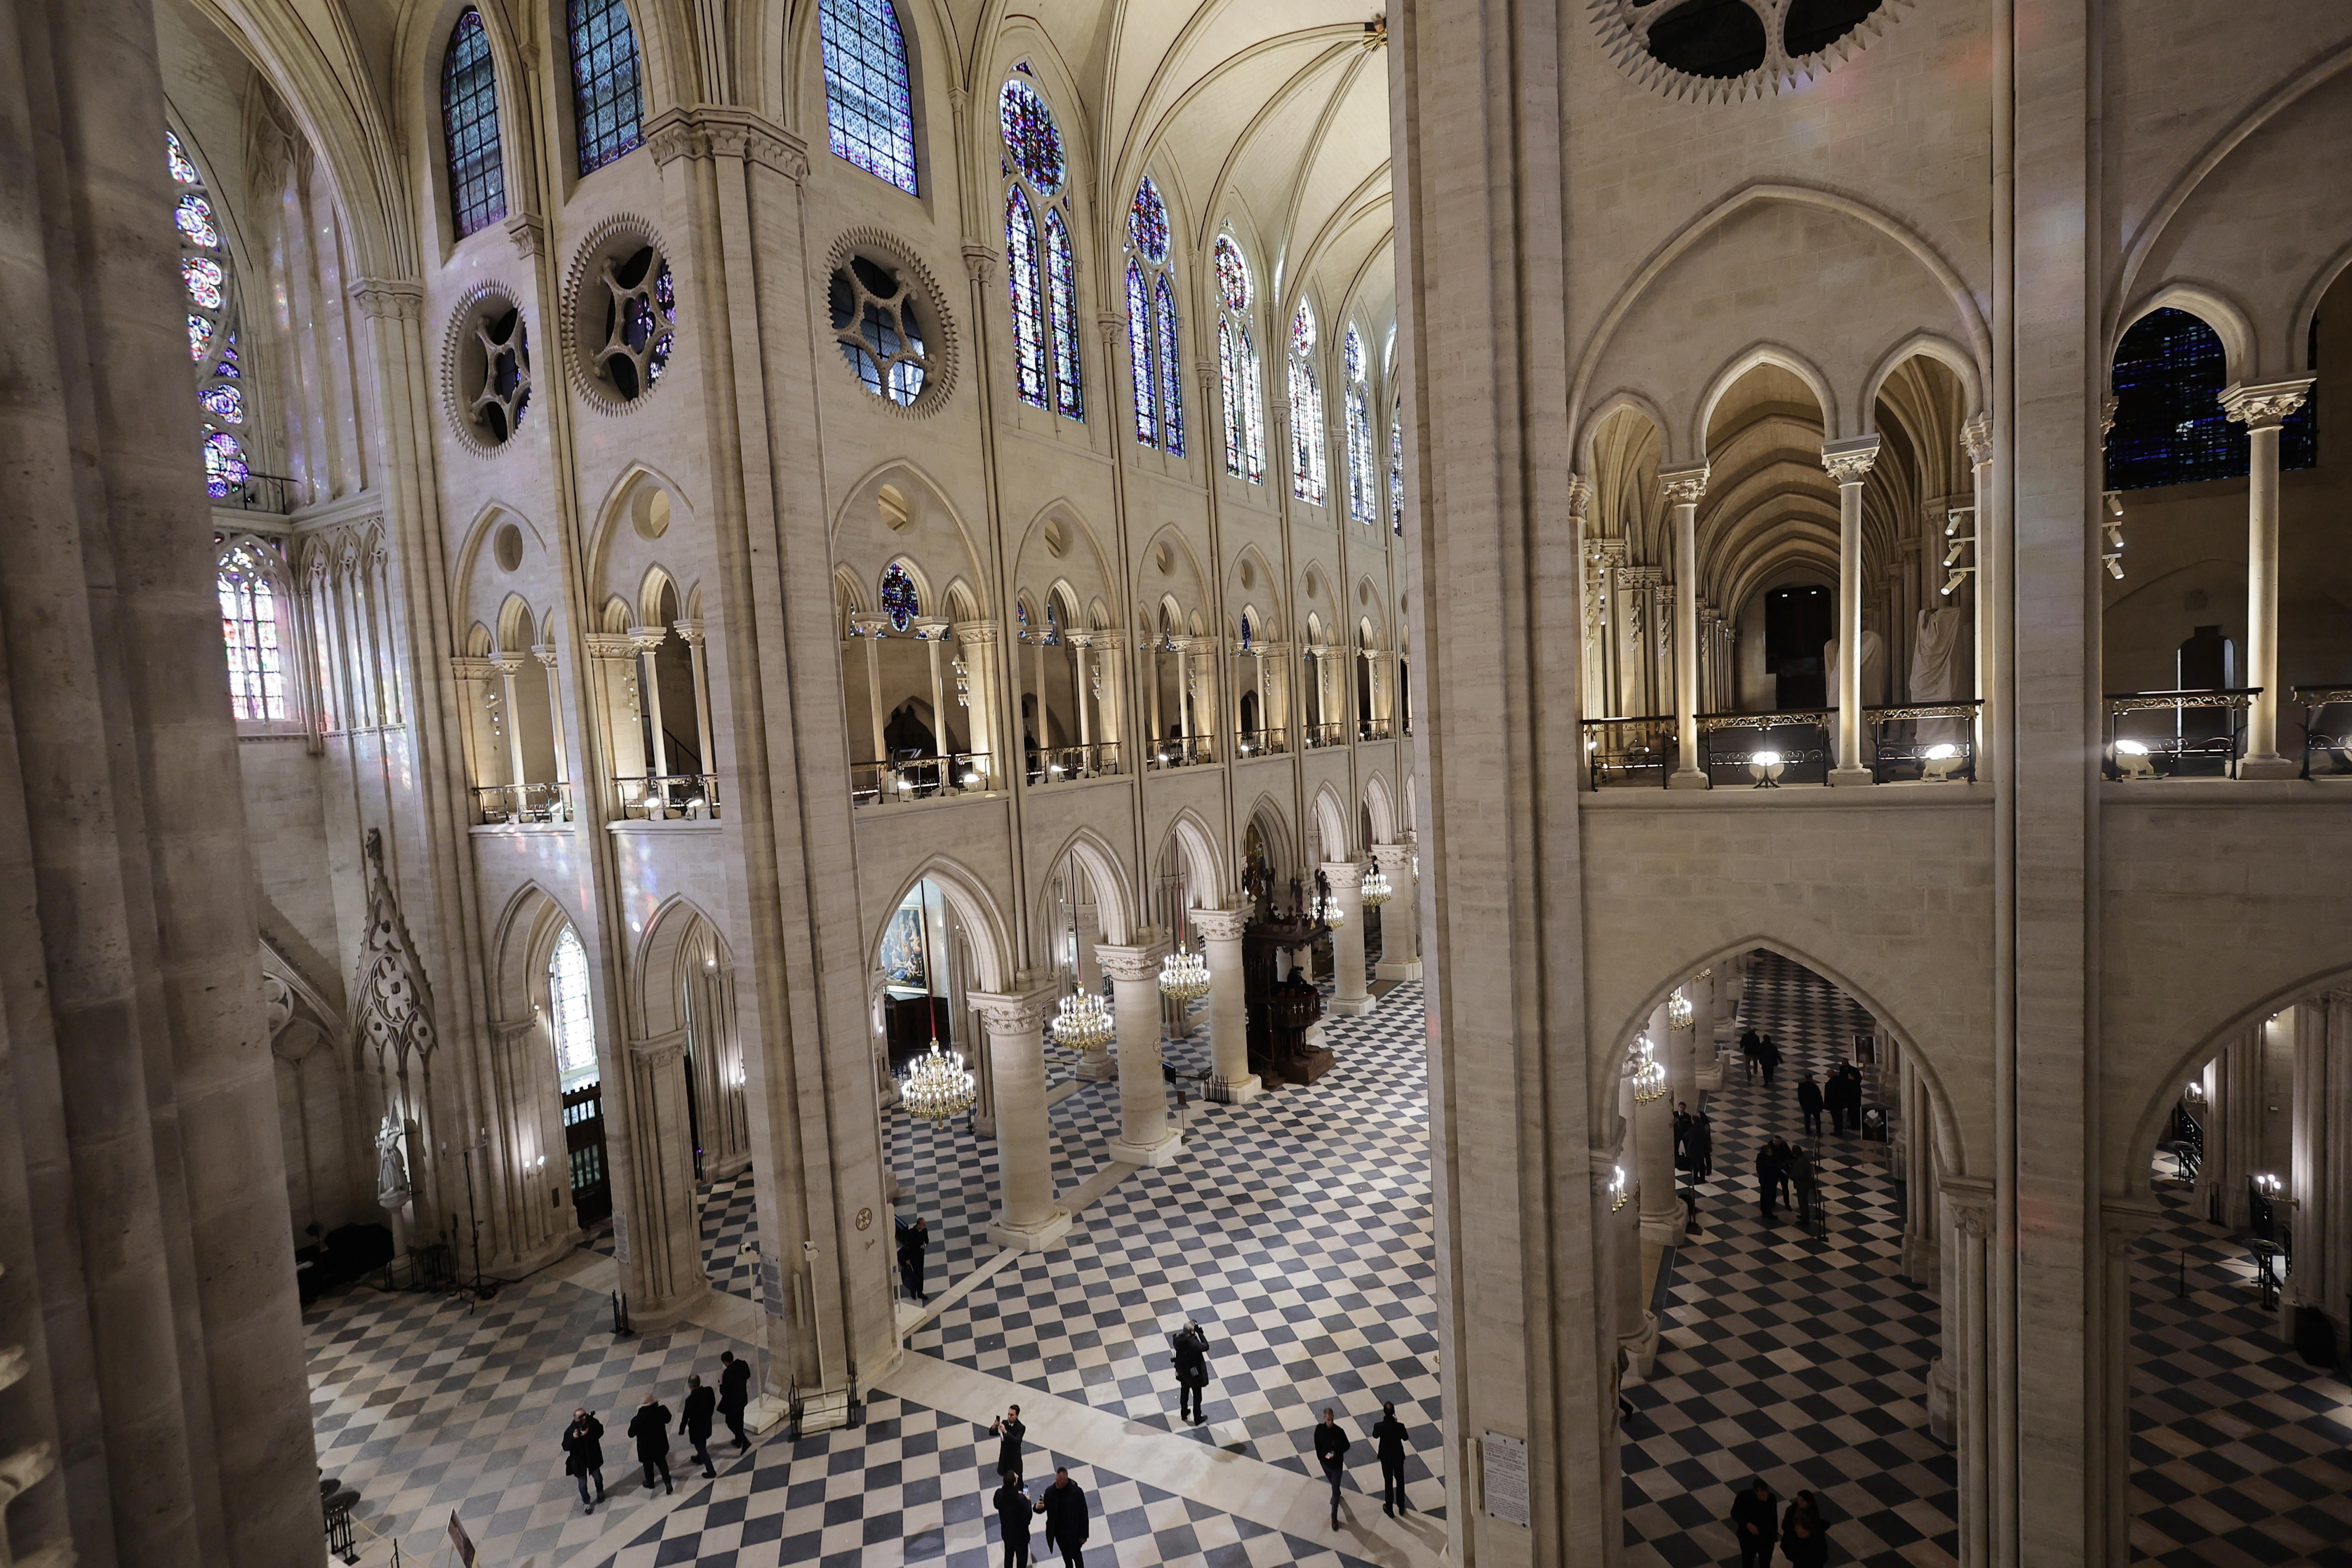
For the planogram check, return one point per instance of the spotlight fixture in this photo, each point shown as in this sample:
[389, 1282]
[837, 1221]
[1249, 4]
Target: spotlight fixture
[1939, 761]
[2132, 761]
[1765, 768]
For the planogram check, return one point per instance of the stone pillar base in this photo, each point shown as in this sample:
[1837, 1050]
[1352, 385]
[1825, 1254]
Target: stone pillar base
[1410, 970]
[2269, 768]
[1687, 778]
[1352, 1006]
[1641, 1346]
[1709, 1078]
[1036, 1238]
[670, 1313]
[1239, 1092]
[1943, 1419]
[1159, 1153]
[1095, 1068]
[983, 1124]
[1850, 775]
[1666, 1230]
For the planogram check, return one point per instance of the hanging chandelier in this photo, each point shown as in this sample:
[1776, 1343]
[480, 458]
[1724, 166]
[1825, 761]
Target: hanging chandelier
[1678, 1011]
[1618, 1192]
[937, 1087]
[1327, 910]
[1376, 888]
[1084, 1024]
[1649, 1075]
[1184, 975]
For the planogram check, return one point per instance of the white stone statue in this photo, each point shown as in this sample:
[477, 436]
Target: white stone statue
[391, 1164]
[1935, 673]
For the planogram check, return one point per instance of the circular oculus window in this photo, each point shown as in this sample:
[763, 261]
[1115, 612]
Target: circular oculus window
[1721, 50]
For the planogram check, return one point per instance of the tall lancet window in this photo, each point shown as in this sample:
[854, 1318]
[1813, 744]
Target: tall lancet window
[469, 126]
[1363, 480]
[1151, 325]
[607, 107]
[1306, 460]
[1041, 272]
[249, 632]
[869, 107]
[1238, 375]
[212, 327]
[1396, 467]
[570, 1020]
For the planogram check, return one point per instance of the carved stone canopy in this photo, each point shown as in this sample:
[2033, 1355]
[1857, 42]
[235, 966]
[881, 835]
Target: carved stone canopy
[393, 999]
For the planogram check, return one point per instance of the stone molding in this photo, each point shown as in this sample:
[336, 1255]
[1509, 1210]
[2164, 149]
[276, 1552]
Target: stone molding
[1132, 963]
[393, 297]
[659, 1051]
[1849, 460]
[1976, 436]
[609, 644]
[1685, 487]
[1344, 873]
[1219, 925]
[2265, 406]
[711, 130]
[1013, 1016]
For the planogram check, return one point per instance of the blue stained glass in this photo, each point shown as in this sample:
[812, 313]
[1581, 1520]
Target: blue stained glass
[469, 128]
[1062, 296]
[203, 275]
[1147, 223]
[224, 469]
[200, 332]
[1032, 139]
[2169, 427]
[1028, 306]
[195, 216]
[1138, 348]
[605, 103]
[1306, 460]
[1363, 503]
[183, 170]
[868, 104]
[900, 600]
[227, 402]
[1396, 471]
[1233, 274]
[1171, 381]
[1351, 355]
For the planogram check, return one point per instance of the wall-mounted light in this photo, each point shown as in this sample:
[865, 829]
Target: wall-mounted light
[2111, 531]
[1765, 768]
[2133, 760]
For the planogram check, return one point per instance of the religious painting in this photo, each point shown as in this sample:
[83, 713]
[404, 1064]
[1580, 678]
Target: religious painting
[903, 959]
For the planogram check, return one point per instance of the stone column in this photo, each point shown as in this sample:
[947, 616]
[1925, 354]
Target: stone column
[1637, 1326]
[1401, 916]
[1144, 1136]
[666, 1225]
[1959, 1391]
[1684, 488]
[1848, 462]
[2309, 1131]
[1349, 997]
[1706, 1066]
[2262, 410]
[1027, 1218]
[546, 655]
[1654, 1147]
[1923, 1223]
[691, 633]
[1221, 941]
[509, 665]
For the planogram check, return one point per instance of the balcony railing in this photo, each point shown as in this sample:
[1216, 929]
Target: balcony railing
[1321, 735]
[2327, 737]
[1374, 729]
[502, 803]
[1262, 743]
[1933, 742]
[1630, 751]
[1064, 765]
[667, 798]
[1181, 751]
[1765, 749]
[2177, 734]
[921, 778]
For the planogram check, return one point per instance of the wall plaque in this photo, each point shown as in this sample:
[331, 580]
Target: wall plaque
[1505, 1481]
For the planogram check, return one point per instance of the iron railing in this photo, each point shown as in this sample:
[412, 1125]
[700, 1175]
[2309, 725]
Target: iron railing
[1262, 743]
[921, 778]
[1933, 742]
[1062, 764]
[662, 797]
[1182, 751]
[2327, 742]
[1321, 735]
[495, 805]
[2177, 734]
[1630, 751]
[1374, 729]
[1765, 749]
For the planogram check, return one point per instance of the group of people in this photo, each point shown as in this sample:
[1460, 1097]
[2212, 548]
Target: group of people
[1062, 1500]
[1841, 1098]
[1758, 1521]
[1760, 1052]
[1694, 1142]
[1781, 1166]
[584, 1439]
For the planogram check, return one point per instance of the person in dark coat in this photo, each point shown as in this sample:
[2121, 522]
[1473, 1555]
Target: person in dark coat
[1065, 1507]
[1768, 1179]
[584, 1456]
[1801, 1535]
[1809, 1099]
[1783, 1159]
[1190, 1346]
[694, 1421]
[913, 1241]
[1844, 1096]
[650, 1428]
[1008, 1430]
[1331, 1450]
[734, 1395]
[1799, 1169]
[1755, 1521]
[1014, 1511]
[1767, 1054]
[1751, 1045]
[1701, 1138]
[1682, 1135]
[1387, 1438]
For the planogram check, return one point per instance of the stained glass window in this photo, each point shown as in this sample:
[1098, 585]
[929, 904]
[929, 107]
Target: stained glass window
[1147, 223]
[195, 216]
[248, 603]
[1233, 274]
[1028, 298]
[570, 1020]
[873, 321]
[226, 401]
[1306, 460]
[1364, 481]
[2169, 428]
[469, 126]
[1237, 366]
[1041, 272]
[225, 466]
[1138, 348]
[202, 274]
[183, 170]
[212, 329]
[1396, 470]
[1171, 384]
[606, 107]
[900, 600]
[869, 105]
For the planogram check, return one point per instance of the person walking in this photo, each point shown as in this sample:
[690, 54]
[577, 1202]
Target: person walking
[1751, 1046]
[1845, 1099]
[1803, 1538]
[1388, 1441]
[1065, 1507]
[1702, 1147]
[1008, 1430]
[1190, 1346]
[1783, 1157]
[913, 1242]
[1768, 1181]
[694, 1421]
[734, 1395]
[1331, 1449]
[584, 1456]
[1755, 1521]
[650, 1428]
[1768, 1053]
[1809, 1099]
[1015, 1509]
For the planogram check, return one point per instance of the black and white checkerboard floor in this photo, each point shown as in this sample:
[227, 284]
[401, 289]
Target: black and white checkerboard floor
[1801, 1359]
[1294, 1228]
[2240, 1454]
[912, 1486]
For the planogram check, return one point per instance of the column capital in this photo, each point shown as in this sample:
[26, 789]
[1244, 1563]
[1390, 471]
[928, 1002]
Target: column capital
[979, 261]
[467, 668]
[2266, 407]
[544, 652]
[659, 1051]
[1580, 496]
[1605, 553]
[507, 663]
[1849, 458]
[1132, 962]
[609, 644]
[1392, 856]
[1016, 1014]
[691, 633]
[1636, 576]
[1970, 1200]
[975, 633]
[1685, 486]
[646, 639]
[1344, 873]
[1976, 436]
[931, 630]
[1219, 925]
[869, 623]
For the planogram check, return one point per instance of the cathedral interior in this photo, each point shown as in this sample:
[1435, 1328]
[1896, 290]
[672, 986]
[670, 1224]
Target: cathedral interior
[1323, 671]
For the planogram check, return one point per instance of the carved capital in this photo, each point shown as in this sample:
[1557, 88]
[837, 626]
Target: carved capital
[1011, 1016]
[691, 633]
[1395, 858]
[507, 663]
[467, 668]
[544, 652]
[1850, 459]
[2267, 406]
[709, 131]
[646, 639]
[609, 644]
[931, 630]
[1580, 496]
[379, 298]
[1684, 487]
[979, 262]
[528, 233]
[1609, 554]
[869, 623]
[1969, 1198]
[1132, 963]
[659, 1052]
[1219, 925]
[975, 634]
[1344, 873]
[1976, 436]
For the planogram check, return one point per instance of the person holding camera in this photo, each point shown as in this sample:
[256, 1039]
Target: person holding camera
[1190, 1346]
